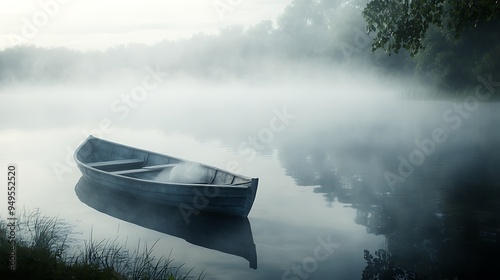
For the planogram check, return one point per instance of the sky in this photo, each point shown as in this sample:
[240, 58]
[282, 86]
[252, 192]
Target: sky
[94, 24]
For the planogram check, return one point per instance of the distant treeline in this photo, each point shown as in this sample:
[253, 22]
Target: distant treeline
[326, 33]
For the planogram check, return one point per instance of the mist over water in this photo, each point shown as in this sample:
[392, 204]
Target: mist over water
[324, 143]
[184, 173]
[351, 152]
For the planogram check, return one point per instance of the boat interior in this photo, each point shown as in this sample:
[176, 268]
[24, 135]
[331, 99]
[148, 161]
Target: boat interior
[182, 172]
[173, 172]
[135, 163]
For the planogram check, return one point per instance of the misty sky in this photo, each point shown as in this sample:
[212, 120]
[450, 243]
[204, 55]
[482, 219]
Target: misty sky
[93, 24]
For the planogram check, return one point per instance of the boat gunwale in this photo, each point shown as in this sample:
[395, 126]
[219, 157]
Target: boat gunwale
[243, 185]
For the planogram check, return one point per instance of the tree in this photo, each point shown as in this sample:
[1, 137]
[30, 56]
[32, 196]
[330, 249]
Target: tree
[383, 266]
[404, 23]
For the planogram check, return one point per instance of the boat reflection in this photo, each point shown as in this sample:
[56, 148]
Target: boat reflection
[228, 234]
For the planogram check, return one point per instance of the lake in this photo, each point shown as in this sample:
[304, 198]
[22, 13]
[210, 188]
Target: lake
[345, 169]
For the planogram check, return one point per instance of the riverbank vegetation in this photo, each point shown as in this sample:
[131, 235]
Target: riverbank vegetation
[44, 249]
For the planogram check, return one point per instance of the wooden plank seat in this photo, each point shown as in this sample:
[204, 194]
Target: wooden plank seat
[161, 166]
[144, 169]
[119, 164]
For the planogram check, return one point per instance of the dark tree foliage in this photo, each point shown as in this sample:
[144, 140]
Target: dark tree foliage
[457, 64]
[404, 23]
[383, 267]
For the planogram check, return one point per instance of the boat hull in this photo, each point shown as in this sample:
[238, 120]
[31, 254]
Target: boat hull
[221, 191]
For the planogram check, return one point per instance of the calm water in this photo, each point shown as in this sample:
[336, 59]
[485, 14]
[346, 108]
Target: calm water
[340, 178]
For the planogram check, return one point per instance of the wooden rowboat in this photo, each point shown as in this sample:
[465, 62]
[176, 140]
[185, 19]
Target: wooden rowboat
[190, 186]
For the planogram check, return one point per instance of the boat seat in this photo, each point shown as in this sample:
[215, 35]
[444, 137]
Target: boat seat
[162, 166]
[119, 164]
[144, 169]
[131, 171]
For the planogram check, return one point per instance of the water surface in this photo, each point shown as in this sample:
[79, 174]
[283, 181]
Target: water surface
[340, 178]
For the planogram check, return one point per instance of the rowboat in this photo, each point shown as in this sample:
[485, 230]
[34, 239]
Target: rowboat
[190, 186]
[227, 234]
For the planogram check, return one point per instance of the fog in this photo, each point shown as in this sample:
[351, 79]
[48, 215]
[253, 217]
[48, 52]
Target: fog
[314, 58]
[345, 142]
[308, 38]
[189, 172]
[309, 74]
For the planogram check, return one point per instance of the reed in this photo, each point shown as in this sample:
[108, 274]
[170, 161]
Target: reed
[44, 251]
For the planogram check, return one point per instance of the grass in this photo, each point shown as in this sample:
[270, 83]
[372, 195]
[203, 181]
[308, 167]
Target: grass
[43, 252]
